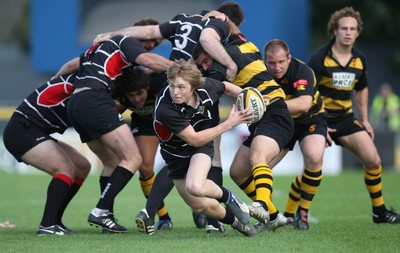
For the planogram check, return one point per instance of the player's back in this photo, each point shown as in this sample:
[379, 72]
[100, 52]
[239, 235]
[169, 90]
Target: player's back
[46, 105]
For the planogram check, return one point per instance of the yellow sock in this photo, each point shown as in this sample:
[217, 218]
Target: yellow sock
[373, 182]
[309, 186]
[294, 196]
[146, 184]
[263, 181]
[249, 188]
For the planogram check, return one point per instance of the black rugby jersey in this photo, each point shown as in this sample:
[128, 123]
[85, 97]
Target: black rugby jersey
[157, 82]
[300, 80]
[170, 118]
[252, 71]
[45, 107]
[336, 82]
[183, 31]
[102, 63]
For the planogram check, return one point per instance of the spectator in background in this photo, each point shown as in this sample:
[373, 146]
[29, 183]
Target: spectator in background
[385, 110]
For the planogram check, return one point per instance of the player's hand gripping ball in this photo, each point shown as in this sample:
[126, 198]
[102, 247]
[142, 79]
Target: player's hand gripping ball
[251, 98]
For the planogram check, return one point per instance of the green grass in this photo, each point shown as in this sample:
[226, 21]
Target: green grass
[341, 207]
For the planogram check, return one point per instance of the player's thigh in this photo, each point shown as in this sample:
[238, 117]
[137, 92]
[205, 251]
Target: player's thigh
[312, 148]
[148, 145]
[196, 176]
[49, 157]
[278, 158]
[263, 149]
[196, 203]
[122, 143]
[361, 145]
[81, 163]
[240, 168]
[217, 152]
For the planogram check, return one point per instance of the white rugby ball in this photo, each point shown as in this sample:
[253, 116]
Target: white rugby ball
[251, 98]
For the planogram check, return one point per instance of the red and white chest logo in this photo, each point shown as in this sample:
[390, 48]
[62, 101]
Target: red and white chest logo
[114, 65]
[164, 134]
[55, 94]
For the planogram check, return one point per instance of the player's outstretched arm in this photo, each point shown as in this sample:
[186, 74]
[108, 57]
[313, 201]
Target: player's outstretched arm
[147, 32]
[68, 68]
[201, 138]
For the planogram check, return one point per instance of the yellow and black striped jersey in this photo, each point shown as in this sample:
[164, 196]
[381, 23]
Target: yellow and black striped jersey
[300, 80]
[335, 82]
[251, 69]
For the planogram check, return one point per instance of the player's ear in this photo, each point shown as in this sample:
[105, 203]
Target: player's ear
[289, 57]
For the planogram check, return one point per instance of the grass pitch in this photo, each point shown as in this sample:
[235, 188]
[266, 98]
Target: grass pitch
[340, 220]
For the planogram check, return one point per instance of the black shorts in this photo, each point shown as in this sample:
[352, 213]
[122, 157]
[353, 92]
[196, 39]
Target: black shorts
[178, 167]
[314, 125]
[344, 125]
[276, 123]
[142, 126]
[93, 113]
[20, 136]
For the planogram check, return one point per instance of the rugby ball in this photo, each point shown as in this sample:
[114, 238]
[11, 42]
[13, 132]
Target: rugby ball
[251, 98]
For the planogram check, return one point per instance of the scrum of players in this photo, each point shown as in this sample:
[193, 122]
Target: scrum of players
[175, 106]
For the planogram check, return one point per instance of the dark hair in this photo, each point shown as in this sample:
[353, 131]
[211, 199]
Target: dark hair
[147, 21]
[233, 11]
[197, 50]
[133, 79]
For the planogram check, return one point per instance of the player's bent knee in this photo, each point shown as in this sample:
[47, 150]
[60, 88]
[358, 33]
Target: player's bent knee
[194, 189]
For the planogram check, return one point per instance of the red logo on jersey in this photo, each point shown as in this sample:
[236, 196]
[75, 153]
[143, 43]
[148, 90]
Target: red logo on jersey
[114, 65]
[91, 49]
[55, 94]
[302, 82]
[162, 131]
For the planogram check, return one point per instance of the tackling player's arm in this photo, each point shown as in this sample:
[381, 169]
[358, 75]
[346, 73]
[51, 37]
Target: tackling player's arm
[223, 17]
[147, 32]
[152, 61]
[68, 68]
[211, 43]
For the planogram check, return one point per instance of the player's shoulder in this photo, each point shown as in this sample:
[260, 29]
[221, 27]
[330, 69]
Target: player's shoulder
[188, 17]
[320, 52]
[358, 53]
[211, 84]
[299, 65]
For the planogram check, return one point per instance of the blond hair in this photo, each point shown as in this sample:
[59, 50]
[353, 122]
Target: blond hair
[187, 71]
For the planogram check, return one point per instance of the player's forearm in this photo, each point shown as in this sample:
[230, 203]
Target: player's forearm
[154, 62]
[231, 89]
[68, 68]
[203, 137]
[232, 26]
[301, 104]
[139, 32]
[210, 41]
[362, 103]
